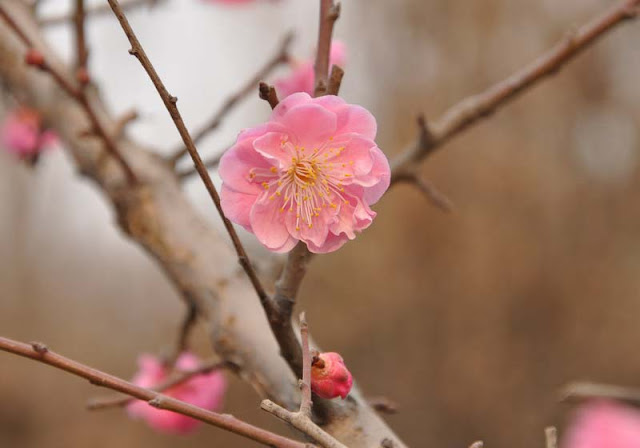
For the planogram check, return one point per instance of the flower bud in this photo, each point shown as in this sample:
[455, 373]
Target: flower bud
[330, 377]
[34, 57]
[82, 75]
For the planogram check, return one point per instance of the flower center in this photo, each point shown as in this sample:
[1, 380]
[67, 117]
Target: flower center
[309, 184]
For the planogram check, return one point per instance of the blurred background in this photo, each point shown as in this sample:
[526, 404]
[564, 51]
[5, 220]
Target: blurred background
[470, 322]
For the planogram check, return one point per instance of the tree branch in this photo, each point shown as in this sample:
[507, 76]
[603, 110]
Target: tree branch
[281, 56]
[76, 93]
[301, 420]
[170, 103]
[284, 301]
[584, 390]
[473, 109]
[179, 377]
[39, 352]
[82, 54]
[210, 163]
[158, 216]
[97, 10]
[329, 13]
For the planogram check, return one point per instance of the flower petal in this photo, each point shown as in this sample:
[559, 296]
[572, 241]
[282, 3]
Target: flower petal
[267, 223]
[237, 205]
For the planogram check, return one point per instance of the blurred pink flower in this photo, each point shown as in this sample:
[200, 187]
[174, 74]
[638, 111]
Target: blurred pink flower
[232, 2]
[205, 391]
[22, 135]
[330, 378]
[604, 424]
[301, 77]
[309, 174]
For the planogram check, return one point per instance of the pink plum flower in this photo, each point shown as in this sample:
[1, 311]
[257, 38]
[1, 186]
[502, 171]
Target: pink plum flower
[309, 174]
[330, 377]
[205, 391]
[232, 2]
[604, 424]
[22, 134]
[301, 78]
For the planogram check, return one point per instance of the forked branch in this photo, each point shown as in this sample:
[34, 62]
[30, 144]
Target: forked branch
[473, 109]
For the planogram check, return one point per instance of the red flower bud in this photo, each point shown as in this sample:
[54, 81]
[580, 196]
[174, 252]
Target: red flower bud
[82, 75]
[330, 377]
[34, 57]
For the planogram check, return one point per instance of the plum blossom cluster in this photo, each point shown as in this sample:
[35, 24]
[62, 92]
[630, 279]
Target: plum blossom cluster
[22, 134]
[205, 391]
[309, 174]
[604, 424]
[330, 378]
[301, 76]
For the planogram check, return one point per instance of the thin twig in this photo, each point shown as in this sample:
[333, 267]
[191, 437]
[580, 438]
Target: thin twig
[79, 95]
[188, 323]
[96, 10]
[301, 420]
[335, 80]
[281, 56]
[329, 13]
[430, 192]
[383, 405]
[473, 109]
[584, 391]
[122, 122]
[305, 385]
[179, 377]
[39, 352]
[210, 163]
[82, 54]
[170, 103]
[284, 301]
[268, 93]
[551, 437]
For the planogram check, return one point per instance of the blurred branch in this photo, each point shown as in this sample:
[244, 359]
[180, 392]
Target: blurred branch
[329, 13]
[159, 217]
[39, 352]
[122, 122]
[176, 379]
[551, 437]
[97, 10]
[170, 103]
[209, 163]
[281, 56]
[82, 53]
[473, 109]
[301, 420]
[37, 59]
[584, 391]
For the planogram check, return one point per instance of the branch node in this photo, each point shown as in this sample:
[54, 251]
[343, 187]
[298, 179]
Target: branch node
[268, 93]
[387, 443]
[39, 347]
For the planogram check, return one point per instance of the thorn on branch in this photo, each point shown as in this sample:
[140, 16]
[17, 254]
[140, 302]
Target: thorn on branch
[268, 93]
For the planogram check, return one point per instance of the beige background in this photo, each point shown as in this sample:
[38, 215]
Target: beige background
[470, 322]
